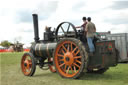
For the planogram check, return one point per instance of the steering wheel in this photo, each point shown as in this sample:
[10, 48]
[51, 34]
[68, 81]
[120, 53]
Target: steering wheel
[65, 29]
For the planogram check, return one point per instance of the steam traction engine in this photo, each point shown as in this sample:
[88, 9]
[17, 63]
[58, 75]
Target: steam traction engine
[66, 52]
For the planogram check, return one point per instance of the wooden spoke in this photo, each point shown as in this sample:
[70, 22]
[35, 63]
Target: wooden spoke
[64, 47]
[60, 55]
[61, 59]
[71, 69]
[68, 70]
[62, 51]
[76, 65]
[25, 68]
[61, 65]
[65, 68]
[74, 68]
[78, 61]
[74, 50]
[29, 69]
[77, 57]
[29, 62]
[77, 52]
[68, 48]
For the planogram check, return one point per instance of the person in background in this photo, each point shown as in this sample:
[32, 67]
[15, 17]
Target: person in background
[90, 29]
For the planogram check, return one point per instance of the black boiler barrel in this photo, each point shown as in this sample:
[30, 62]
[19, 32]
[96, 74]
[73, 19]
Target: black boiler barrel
[44, 49]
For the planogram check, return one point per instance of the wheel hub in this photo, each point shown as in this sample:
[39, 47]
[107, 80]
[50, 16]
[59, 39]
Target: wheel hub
[68, 58]
[25, 64]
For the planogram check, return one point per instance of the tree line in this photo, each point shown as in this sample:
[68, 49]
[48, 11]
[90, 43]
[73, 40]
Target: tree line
[6, 43]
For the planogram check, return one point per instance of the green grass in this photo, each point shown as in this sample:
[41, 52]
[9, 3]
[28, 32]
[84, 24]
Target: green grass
[11, 74]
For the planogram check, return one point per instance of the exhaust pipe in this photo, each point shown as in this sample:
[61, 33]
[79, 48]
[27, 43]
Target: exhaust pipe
[35, 22]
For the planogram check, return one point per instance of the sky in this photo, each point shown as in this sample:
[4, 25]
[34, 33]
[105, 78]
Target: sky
[16, 16]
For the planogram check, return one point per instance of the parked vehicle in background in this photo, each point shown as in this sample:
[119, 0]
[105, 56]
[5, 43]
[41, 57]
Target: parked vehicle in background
[121, 43]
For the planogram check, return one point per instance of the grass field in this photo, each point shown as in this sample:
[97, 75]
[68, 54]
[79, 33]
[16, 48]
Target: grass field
[11, 74]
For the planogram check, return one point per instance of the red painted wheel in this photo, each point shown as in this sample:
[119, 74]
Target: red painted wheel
[69, 58]
[28, 65]
[51, 67]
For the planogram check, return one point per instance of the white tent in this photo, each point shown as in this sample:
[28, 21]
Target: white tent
[1, 47]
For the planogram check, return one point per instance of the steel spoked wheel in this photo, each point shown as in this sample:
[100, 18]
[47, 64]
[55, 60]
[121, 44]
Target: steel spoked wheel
[51, 67]
[69, 58]
[28, 65]
[65, 29]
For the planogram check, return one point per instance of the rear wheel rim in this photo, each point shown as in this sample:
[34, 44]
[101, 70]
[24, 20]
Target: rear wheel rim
[26, 64]
[68, 59]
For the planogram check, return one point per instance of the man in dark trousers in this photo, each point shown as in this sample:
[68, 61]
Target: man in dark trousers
[90, 29]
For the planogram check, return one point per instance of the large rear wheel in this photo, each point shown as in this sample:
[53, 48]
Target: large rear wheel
[28, 64]
[69, 58]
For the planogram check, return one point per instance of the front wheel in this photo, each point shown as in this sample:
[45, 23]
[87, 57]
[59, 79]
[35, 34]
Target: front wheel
[28, 64]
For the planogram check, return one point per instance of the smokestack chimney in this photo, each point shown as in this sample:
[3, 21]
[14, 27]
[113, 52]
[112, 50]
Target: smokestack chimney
[35, 22]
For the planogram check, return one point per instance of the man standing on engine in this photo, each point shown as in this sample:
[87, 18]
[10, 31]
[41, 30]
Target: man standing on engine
[84, 24]
[90, 29]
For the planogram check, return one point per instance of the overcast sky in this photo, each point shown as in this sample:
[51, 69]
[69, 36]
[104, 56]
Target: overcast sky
[16, 16]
